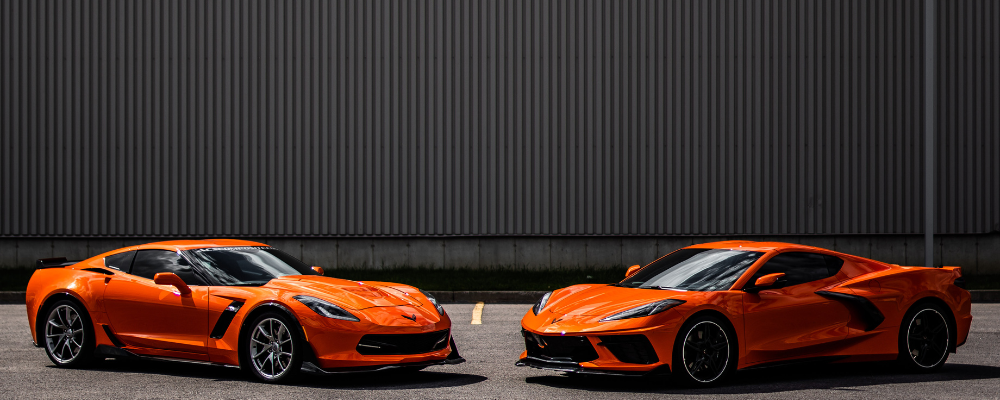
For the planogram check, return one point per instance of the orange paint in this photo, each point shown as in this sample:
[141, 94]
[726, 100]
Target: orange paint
[163, 320]
[772, 325]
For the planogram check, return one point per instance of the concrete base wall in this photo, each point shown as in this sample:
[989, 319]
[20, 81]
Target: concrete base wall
[977, 254]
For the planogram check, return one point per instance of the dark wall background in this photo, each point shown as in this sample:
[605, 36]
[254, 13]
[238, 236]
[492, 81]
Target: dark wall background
[438, 117]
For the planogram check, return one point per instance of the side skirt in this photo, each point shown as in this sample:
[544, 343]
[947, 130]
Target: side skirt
[104, 350]
[810, 360]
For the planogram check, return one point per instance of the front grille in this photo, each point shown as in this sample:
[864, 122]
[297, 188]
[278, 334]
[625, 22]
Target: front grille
[559, 348]
[401, 344]
[634, 349]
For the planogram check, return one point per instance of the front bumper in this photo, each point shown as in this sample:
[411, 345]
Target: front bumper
[582, 344]
[575, 368]
[452, 359]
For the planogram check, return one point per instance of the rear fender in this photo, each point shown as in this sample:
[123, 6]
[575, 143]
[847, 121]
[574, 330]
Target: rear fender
[47, 286]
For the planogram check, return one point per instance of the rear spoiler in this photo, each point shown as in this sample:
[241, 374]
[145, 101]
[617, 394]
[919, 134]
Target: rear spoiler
[57, 262]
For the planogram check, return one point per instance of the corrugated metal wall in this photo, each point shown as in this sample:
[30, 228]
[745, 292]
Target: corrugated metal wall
[460, 117]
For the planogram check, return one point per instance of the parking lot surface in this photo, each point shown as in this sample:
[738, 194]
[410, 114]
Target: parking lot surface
[491, 349]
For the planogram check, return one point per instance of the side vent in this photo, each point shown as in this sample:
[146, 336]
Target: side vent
[869, 312]
[225, 319]
[99, 271]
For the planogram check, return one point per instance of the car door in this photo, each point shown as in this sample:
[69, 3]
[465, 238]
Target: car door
[152, 316]
[791, 320]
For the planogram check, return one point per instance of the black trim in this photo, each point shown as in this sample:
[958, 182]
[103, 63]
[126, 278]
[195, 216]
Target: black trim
[225, 319]
[869, 312]
[109, 351]
[454, 357]
[575, 368]
[55, 262]
[960, 282]
[810, 360]
[111, 335]
[99, 271]
[403, 343]
[559, 348]
[309, 367]
[634, 349]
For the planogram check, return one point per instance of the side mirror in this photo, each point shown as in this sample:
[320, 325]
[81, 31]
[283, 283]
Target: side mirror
[319, 270]
[765, 282]
[170, 278]
[632, 270]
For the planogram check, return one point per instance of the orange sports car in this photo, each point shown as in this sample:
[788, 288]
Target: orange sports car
[232, 303]
[703, 311]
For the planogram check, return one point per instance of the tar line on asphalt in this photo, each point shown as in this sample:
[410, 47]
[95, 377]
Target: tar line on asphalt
[477, 314]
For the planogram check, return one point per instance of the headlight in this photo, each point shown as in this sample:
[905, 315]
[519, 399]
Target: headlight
[326, 309]
[433, 301]
[540, 305]
[646, 310]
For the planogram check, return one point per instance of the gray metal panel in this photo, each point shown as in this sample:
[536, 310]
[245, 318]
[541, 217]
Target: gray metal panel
[457, 117]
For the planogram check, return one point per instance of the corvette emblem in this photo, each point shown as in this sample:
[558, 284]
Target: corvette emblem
[411, 318]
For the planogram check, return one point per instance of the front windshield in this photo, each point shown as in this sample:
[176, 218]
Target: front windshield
[247, 266]
[700, 270]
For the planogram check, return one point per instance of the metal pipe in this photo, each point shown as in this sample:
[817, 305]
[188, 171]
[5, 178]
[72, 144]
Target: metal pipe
[930, 11]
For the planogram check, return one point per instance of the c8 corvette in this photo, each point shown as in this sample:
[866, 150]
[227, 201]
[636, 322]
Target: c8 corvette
[706, 310]
[232, 303]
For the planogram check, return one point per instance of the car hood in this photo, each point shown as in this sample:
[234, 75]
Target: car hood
[351, 294]
[605, 300]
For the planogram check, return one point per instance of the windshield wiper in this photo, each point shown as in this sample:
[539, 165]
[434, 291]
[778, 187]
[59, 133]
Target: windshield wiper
[662, 288]
[248, 284]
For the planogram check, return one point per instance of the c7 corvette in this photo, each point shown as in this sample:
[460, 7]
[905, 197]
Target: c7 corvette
[703, 311]
[232, 303]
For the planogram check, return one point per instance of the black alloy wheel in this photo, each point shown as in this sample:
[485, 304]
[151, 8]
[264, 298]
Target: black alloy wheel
[704, 352]
[925, 338]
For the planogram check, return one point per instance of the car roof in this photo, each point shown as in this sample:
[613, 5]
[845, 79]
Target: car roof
[750, 245]
[181, 245]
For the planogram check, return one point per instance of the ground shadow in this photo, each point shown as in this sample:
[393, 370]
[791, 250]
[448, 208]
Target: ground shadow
[382, 380]
[779, 379]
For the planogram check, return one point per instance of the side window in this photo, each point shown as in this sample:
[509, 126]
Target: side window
[800, 267]
[120, 261]
[148, 263]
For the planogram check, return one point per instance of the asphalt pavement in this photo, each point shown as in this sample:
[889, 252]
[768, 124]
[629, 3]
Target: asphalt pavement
[491, 349]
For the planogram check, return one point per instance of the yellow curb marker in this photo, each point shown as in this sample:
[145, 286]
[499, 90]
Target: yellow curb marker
[477, 314]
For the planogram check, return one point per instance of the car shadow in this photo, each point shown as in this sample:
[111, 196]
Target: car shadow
[776, 380]
[383, 380]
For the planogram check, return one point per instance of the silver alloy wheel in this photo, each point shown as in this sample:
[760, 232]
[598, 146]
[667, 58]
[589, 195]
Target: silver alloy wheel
[271, 348]
[64, 334]
[705, 345]
[927, 338]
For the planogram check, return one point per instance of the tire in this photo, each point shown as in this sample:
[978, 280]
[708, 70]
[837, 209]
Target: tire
[705, 352]
[68, 334]
[924, 338]
[271, 348]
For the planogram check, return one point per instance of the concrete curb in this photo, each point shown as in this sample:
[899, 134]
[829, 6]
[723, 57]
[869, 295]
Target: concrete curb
[11, 297]
[511, 297]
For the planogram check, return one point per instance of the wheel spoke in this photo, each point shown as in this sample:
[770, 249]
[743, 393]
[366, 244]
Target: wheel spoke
[263, 332]
[262, 350]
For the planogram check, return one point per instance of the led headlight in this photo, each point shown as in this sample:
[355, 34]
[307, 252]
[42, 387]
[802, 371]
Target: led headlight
[326, 309]
[433, 301]
[646, 310]
[541, 303]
